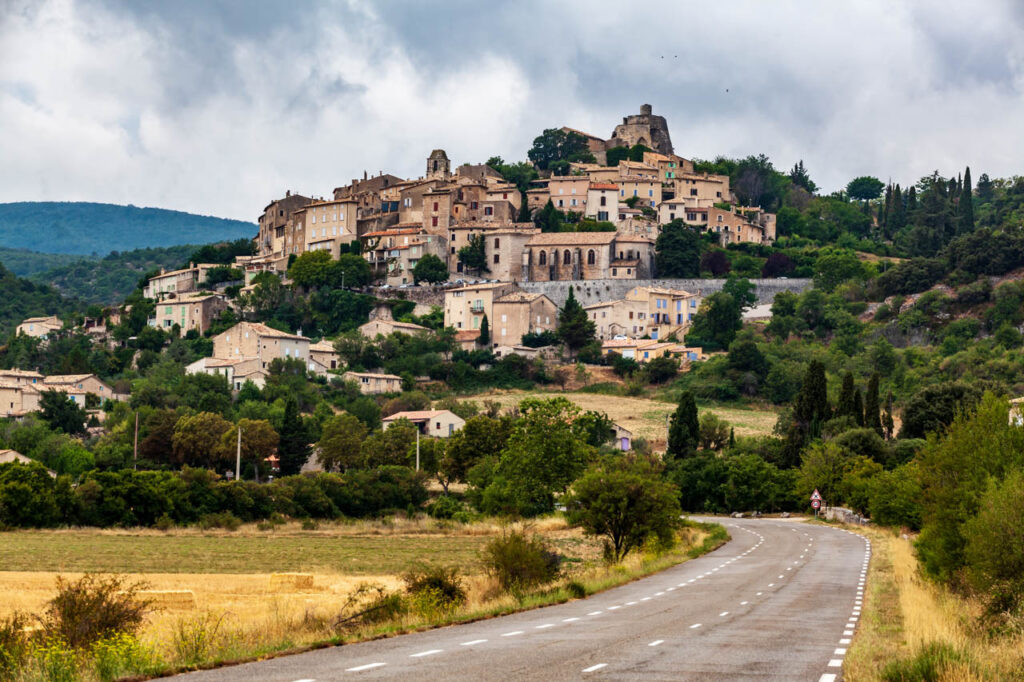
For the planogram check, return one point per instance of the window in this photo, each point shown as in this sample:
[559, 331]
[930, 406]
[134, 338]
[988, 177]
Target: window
[718, 194]
[634, 192]
[473, 205]
[693, 303]
[561, 203]
[504, 318]
[561, 190]
[615, 272]
[604, 200]
[591, 256]
[504, 195]
[574, 189]
[497, 242]
[542, 259]
[566, 257]
[453, 250]
[497, 258]
[433, 221]
[435, 205]
[691, 216]
[407, 202]
[314, 219]
[573, 202]
[602, 215]
[503, 331]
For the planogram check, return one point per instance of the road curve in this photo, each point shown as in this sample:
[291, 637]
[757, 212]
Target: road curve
[781, 601]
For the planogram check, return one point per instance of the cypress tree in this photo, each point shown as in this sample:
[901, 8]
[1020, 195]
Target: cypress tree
[524, 209]
[812, 408]
[846, 406]
[872, 418]
[684, 428]
[732, 438]
[485, 333]
[858, 407]
[887, 423]
[965, 209]
[293, 446]
[575, 328]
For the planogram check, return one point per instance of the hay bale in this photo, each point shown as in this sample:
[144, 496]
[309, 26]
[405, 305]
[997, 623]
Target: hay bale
[291, 581]
[169, 600]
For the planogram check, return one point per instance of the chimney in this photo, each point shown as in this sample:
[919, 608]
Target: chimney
[364, 176]
[287, 193]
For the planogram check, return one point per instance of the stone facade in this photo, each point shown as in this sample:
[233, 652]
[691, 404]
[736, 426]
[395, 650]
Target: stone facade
[586, 256]
[645, 129]
[519, 313]
[274, 220]
[188, 312]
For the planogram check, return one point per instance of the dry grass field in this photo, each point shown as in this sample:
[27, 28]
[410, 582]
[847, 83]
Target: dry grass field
[645, 417]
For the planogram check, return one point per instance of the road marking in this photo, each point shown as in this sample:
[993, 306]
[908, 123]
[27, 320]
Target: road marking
[695, 626]
[691, 580]
[513, 633]
[306, 680]
[632, 603]
[546, 625]
[594, 613]
[835, 663]
[431, 652]
[790, 568]
[840, 652]
[759, 594]
[658, 594]
[781, 577]
[612, 608]
[569, 620]
[656, 642]
[771, 584]
[848, 632]
[670, 589]
[844, 640]
[360, 668]
[744, 603]
[595, 667]
[473, 641]
[723, 614]
[646, 599]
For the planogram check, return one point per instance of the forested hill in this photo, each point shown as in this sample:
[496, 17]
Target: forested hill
[91, 228]
[22, 298]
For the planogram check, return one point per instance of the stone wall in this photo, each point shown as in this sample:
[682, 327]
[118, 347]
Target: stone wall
[596, 291]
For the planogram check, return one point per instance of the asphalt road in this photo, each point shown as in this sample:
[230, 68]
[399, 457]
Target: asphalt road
[781, 601]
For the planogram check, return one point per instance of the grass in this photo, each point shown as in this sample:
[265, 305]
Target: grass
[645, 417]
[238, 617]
[913, 629]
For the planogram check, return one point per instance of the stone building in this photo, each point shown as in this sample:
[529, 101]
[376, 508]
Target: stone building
[272, 223]
[518, 313]
[329, 224]
[503, 248]
[434, 423]
[177, 282]
[645, 129]
[645, 311]
[191, 311]
[438, 166]
[587, 256]
[39, 327]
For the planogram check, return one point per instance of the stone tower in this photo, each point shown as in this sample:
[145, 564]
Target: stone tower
[438, 165]
[646, 129]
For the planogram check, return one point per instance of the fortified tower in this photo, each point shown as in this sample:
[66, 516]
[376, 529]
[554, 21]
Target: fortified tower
[646, 129]
[438, 166]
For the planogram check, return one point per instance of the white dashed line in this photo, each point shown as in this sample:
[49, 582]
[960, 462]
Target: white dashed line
[827, 677]
[513, 633]
[835, 663]
[723, 614]
[744, 603]
[839, 652]
[595, 613]
[645, 599]
[569, 620]
[848, 633]
[368, 666]
[844, 640]
[612, 608]
[545, 626]
[656, 642]
[595, 667]
[421, 654]
[695, 626]
[632, 603]
[473, 641]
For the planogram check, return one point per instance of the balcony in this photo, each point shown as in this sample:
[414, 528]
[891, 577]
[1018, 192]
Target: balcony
[476, 307]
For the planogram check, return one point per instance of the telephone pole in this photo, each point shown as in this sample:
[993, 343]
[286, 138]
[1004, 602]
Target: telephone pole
[238, 456]
[135, 466]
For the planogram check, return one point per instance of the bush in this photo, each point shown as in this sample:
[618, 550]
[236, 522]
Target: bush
[519, 562]
[576, 590]
[928, 665]
[225, 520]
[92, 608]
[119, 655]
[434, 588]
[444, 507]
[13, 642]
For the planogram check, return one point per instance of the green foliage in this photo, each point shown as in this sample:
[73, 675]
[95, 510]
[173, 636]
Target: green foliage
[434, 588]
[61, 412]
[473, 256]
[340, 442]
[430, 269]
[555, 145]
[91, 608]
[994, 548]
[716, 323]
[741, 481]
[678, 250]
[520, 562]
[575, 328]
[627, 502]
[23, 298]
[935, 407]
[865, 188]
[930, 664]
[294, 443]
[684, 428]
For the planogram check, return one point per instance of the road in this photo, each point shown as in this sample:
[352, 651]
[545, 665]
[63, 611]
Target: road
[781, 601]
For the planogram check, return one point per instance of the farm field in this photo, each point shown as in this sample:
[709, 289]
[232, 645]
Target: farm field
[645, 417]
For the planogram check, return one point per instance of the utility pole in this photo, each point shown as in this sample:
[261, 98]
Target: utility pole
[238, 456]
[417, 448]
[135, 466]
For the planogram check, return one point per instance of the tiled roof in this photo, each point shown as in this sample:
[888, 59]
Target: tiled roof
[65, 378]
[418, 415]
[518, 297]
[574, 238]
[373, 375]
[604, 185]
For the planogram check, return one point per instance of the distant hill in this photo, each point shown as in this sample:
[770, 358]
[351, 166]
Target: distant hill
[22, 298]
[88, 228]
[25, 263]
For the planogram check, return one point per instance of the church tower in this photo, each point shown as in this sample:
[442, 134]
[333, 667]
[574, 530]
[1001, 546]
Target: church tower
[438, 166]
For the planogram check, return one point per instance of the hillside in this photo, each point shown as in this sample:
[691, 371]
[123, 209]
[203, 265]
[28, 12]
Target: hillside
[89, 228]
[23, 298]
[24, 263]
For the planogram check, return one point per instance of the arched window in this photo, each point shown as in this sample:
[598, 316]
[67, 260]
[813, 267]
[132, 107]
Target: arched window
[566, 257]
[591, 257]
[543, 259]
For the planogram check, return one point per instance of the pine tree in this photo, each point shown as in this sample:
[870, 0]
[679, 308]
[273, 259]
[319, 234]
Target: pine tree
[812, 406]
[575, 328]
[485, 333]
[887, 423]
[684, 428]
[732, 438]
[858, 407]
[965, 209]
[872, 419]
[846, 407]
[524, 209]
[293, 446]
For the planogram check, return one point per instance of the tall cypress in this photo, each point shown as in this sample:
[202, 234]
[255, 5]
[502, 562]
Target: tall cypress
[846, 406]
[485, 333]
[858, 407]
[812, 407]
[965, 209]
[872, 419]
[887, 423]
[575, 328]
[293, 446]
[684, 428]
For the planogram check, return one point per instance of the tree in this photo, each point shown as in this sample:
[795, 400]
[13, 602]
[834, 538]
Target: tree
[197, 439]
[549, 218]
[811, 409]
[480, 438]
[350, 270]
[259, 440]
[340, 441]
[555, 144]
[391, 447]
[575, 328]
[865, 188]
[872, 410]
[678, 250]
[544, 453]
[965, 208]
[715, 325]
[822, 467]
[716, 262]
[311, 269]
[61, 412]
[935, 407]
[714, 432]
[473, 256]
[994, 547]
[430, 269]
[485, 333]
[293, 449]
[801, 178]
[625, 500]
[684, 428]
[846, 406]
[888, 426]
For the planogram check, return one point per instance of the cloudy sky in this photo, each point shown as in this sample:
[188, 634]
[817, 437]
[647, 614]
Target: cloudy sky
[217, 107]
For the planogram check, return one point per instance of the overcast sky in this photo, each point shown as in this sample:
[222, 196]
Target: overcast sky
[218, 107]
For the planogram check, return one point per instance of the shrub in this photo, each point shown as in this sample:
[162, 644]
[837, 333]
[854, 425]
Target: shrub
[13, 643]
[382, 606]
[195, 637]
[434, 588]
[120, 654]
[519, 562]
[576, 589]
[310, 524]
[92, 608]
[444, 507]
[225, 520]
[928, 665]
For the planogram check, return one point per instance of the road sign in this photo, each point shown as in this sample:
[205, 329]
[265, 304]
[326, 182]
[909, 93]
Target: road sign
[816, 495]
[816, 504]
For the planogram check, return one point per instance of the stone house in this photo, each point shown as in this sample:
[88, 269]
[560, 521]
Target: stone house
[641, 350]
[79, 386]
[586, 256]
[603, 202]
[704, 189]
[569, 192]
[646, 190]
[329, 224]
[645, 311]
[518, 313]
[17, 399]
[236, 372]
[188, 312]
[375, 328]
[177, 282]
[668, 165]
[466, 306]
[273, 222]
[257, 341]
[39, 327]
[503, 248]
[371, 383]
[394, 253]
[434, 423]
[323, 352]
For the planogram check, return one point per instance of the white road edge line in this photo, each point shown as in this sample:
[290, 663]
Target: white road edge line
[473, 641]
[368, 666]
[695, 626]
[656, 642]
[595, 667]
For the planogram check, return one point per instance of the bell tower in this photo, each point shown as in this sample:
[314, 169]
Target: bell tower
[438, 166]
